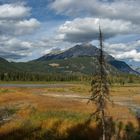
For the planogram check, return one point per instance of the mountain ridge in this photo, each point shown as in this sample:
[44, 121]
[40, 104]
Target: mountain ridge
[6, 66]
[80, 59]
[90, 51]
[76, 51]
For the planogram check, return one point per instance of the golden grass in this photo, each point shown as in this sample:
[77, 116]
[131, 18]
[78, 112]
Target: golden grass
[47, 111]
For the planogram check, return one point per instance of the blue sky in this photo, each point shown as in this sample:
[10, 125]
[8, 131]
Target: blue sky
[32, 28]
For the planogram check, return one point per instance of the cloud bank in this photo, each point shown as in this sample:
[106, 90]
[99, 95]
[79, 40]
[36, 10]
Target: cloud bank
[14, 23]
[87, 29]
[13, 11]
[113, 9]
[73, 21]
[124, 51]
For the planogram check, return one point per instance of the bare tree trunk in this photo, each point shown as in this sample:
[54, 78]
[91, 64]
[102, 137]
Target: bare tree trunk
[100, 89]
[103, 125]
[102, 104]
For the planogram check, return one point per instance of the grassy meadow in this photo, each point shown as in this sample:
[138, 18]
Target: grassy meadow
[60, 111]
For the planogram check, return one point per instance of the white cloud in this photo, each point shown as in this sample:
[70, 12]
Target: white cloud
[15, 27]
[13, 20]
[14, 44]
[28, 23]
[124, 51]
[133, 54]
[86, 29]
[12, 48]
[8, 11]
[15, 49]
[13, 23]
[116, 9]
[17, 44]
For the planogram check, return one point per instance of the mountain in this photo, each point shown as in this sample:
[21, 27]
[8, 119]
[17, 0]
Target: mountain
[76, 65]
[87, 50]
[76, 51]
[80, 59]
[138, 69]
[6, 66]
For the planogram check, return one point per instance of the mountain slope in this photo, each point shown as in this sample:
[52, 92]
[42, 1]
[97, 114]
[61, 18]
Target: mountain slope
[75, 65]
[81, 59]
[138, 70]
[88, 50]
[76, 51]
[6, 66]
[122, 66]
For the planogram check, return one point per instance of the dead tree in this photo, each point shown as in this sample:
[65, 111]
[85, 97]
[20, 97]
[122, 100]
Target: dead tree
[100, 88]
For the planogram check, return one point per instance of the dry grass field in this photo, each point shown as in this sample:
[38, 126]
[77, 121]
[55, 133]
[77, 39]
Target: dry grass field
[60, 111]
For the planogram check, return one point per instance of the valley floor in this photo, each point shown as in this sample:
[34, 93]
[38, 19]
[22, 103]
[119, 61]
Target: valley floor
[45, 111]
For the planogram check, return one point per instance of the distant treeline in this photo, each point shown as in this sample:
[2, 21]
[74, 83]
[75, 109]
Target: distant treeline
[124, 78]
[25, 76]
